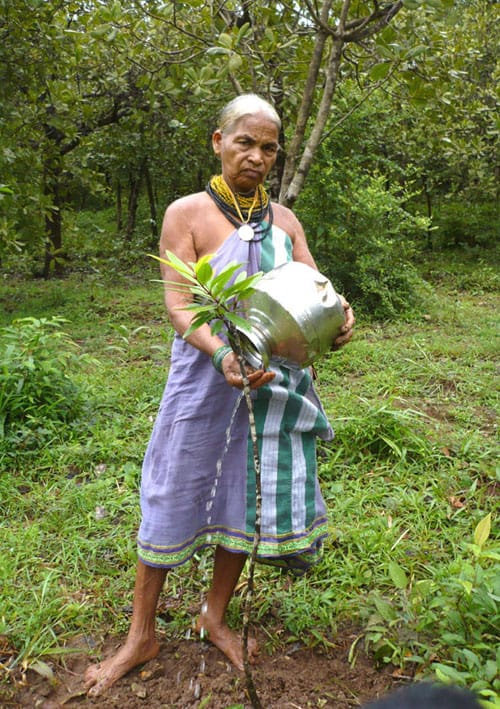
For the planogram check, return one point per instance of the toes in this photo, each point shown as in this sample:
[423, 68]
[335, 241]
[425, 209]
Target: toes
[96, 690]
[90, 676]
[99, 687]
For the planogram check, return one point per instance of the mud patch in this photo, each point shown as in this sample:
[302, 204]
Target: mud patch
[189, 673]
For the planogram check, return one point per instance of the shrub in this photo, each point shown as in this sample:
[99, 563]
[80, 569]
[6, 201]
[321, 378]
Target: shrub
[364, 240]
[38, 365]
[445, 622]
[466, 223]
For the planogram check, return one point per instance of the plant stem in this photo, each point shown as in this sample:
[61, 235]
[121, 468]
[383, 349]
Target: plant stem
[247, 605]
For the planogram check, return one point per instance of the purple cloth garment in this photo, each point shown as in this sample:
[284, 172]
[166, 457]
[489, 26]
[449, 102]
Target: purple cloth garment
[196, 485]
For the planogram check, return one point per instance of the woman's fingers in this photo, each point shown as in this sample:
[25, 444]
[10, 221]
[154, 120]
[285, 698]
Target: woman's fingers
[256, 379]
[262, 378]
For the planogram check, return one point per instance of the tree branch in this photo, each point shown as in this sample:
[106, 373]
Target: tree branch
[306, 103]
[291, 192]
[372, 23]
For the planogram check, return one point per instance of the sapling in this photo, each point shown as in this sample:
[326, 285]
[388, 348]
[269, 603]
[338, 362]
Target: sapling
[216, 300]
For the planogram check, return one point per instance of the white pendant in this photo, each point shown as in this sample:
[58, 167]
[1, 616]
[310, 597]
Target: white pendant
[245, 232]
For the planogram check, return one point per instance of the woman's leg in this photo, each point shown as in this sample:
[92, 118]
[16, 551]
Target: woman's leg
[141, 644]
[227, 569]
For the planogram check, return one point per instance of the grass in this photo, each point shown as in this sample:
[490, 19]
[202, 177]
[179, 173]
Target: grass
[409, 480]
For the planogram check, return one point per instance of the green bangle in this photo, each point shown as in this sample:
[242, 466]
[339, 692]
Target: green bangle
[219, 355]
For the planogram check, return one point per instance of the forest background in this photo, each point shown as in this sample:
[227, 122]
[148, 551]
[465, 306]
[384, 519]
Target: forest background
[389, 158]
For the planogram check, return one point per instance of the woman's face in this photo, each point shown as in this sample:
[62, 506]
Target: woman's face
[247, 151]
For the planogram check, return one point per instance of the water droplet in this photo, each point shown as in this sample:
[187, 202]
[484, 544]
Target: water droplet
[204, 607]
[202, 665]
[187, 636]
[197, 690]
[209, 519]
[203, 632]
[209, 505]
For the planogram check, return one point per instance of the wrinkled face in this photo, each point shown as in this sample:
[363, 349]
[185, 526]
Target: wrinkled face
[247, 151]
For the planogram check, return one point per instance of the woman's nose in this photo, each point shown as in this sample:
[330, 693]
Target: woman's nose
[255, 155]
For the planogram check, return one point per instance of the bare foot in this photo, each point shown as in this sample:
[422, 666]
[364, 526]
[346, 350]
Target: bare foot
[225, 639]
[98, 678]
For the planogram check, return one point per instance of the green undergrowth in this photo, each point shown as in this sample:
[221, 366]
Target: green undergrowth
[411, 561]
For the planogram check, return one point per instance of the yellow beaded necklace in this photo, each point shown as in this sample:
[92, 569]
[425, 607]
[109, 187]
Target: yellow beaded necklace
[239, 208]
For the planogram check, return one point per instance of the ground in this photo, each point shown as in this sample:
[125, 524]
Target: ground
[191, 673]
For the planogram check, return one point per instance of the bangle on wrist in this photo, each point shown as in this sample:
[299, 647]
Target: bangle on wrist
[219, 355]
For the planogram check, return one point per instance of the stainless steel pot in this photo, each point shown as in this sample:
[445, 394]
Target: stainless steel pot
[295, 315]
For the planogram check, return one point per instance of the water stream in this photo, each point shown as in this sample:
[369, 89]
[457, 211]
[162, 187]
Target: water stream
[195, 685]
[218, 468]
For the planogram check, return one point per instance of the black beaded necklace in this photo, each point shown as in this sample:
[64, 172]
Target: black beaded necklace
[239, 210]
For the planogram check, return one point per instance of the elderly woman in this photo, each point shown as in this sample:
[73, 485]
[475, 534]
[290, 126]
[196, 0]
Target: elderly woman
[201, 435]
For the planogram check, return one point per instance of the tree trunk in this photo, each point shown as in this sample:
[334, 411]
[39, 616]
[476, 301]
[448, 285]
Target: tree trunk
[305, 105]
[53, 222]
[153, 214]
[133, 201]
[342, 32]
[276, 176]
[290, 193]
[119, 208]
[428, 201]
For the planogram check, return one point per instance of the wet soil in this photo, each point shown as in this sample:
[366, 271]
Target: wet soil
[191, 673]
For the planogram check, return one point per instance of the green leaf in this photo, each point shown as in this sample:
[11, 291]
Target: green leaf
[380, 71]
[172, 259]
[384, 609]
[244, 29]
[217, 327]
[494, 703]
[235, 62]
[204, 272]
[467, 586]
[177, 265]
[222, 279]
[398, 575]
[239, 322]
[201, 262]
[482, 531]
[225, 40]
[198, 308]
[241, 286]
[447, 674]
[197, 322]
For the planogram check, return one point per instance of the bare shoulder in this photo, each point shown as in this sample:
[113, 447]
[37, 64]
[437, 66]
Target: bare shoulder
[188, 204]
[286, 220]
[180, 225]
[182, 216]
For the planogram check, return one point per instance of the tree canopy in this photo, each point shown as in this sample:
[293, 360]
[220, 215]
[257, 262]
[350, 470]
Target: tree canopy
[115, 102]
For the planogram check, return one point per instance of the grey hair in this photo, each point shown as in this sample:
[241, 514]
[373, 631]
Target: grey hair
[244, 105]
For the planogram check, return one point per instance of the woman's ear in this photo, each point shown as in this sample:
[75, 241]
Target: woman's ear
[216, 141]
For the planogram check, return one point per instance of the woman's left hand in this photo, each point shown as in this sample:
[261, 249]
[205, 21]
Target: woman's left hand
[346, 331]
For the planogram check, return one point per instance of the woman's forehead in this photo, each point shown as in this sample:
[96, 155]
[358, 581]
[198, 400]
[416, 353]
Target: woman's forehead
[254, 123]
